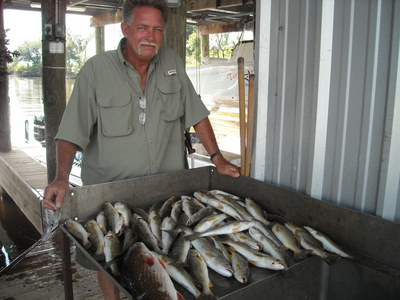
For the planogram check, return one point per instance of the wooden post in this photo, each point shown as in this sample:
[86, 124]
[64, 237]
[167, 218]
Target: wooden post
[54, 94]
[5, 126]
[205, 45]
[100, 47]
[242, 115]
[175, 36]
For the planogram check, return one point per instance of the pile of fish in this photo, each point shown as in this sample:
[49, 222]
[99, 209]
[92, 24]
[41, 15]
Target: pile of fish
[183, 237]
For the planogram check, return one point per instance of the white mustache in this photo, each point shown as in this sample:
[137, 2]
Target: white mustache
[147, 44]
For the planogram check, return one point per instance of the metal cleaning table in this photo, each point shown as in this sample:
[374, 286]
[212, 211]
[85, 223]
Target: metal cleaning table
[375, 241]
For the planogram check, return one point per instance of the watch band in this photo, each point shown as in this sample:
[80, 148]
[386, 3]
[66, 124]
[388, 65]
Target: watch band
[215, 154]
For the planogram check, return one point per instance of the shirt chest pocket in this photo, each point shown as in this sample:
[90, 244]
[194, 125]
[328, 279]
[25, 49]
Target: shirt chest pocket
[170, 93]
[115, 114]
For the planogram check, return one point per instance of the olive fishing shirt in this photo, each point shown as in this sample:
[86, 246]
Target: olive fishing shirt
[102, 116]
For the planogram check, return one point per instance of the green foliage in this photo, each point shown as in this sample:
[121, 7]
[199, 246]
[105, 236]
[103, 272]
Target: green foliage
[29, 62]
[193, 47]
[221, 45]
[76, 53]
[6, 56]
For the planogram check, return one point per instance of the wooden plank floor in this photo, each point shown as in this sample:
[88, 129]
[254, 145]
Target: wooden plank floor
[39, 276]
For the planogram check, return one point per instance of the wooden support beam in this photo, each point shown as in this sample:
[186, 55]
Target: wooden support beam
[53, 76]
[197, 5]
[105, 19]
[220, 28]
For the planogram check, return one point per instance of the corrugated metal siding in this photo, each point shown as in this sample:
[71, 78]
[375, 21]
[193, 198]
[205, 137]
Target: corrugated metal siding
[328, 84]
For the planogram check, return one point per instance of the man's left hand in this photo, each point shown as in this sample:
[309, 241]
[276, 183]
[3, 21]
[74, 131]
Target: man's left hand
[224, 167]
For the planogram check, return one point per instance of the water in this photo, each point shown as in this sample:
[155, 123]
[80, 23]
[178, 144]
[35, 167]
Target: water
[26, 100]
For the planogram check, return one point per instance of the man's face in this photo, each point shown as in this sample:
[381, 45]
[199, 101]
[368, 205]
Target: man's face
[144, 34]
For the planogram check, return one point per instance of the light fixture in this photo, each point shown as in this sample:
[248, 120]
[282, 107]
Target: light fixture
[76, 8]
[69, 8]
[36, 5]
[173, 3]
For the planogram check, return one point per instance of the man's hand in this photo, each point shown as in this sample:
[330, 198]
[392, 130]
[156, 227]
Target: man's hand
[54, 194]
[224, 167]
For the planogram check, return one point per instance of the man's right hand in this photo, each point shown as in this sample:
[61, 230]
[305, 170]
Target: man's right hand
[54, 194]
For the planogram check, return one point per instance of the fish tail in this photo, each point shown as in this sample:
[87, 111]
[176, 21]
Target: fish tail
[206, 295]
[192, 237]
[331, 258]
[301, 254]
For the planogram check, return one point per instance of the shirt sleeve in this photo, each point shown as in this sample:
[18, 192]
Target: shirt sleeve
[80, 115]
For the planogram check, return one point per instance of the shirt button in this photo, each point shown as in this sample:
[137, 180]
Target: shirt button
[150, 141]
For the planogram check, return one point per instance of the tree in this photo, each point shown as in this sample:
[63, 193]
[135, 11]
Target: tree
[193, 47]
[221, 45]
[76, 54]
[29, 61]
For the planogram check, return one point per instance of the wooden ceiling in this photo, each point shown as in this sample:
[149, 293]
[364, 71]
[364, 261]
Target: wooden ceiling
[210, 15]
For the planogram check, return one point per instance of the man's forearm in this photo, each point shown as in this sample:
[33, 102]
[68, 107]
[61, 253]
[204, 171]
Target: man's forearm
[65, 157]
[206, 135]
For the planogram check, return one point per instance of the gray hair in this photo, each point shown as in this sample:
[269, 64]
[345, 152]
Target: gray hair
[130, 5]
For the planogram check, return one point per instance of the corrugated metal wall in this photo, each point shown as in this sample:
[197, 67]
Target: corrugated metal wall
[328, 100]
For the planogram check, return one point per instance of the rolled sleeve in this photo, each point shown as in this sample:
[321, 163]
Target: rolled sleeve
[80, 114]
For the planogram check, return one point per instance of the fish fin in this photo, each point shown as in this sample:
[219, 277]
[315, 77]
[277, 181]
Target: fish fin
[207, 295]
[180, 296]
[192, 237]
[331, 258]
[148, 259]
[162, 264]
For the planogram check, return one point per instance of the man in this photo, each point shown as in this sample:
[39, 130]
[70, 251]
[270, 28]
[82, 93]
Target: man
[127, 113]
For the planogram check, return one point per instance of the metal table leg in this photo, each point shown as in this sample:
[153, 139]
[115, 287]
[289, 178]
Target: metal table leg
[66, 259]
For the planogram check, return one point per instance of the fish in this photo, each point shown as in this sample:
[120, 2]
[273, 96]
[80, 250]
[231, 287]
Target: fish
[144, 233]
[241, 270]
[112, 249]
[288, 240]
[199, 270]
[115, 221]
[181, 276]
[176, 210]
[188, 206]
[256, 210]
[269, 246]
[327, 243]
[256, 258]
[214, 258]
[209, 222]
[140, 212]
[96, 237]
[79, 232]
[240, 209]
[265, 230]
[166, 207]
[180, 249]
[247, 239]
[130, 237]
[155, 224]
[168, 234]
[101, 221]
[123, 210]
[228, 228]
[219, 192]
[217, 204]
[147, 275]
[199, 215]
[217, 243]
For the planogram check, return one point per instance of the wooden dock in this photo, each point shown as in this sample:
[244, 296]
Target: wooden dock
[40, 274]
[24, 179]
